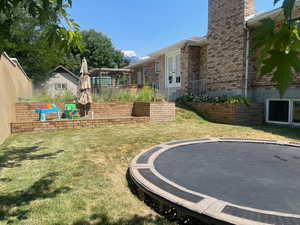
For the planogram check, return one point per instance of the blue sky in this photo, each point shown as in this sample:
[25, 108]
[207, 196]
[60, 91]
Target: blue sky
[144, 26]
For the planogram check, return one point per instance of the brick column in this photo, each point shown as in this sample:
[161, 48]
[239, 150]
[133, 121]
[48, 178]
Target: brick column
[227, 45]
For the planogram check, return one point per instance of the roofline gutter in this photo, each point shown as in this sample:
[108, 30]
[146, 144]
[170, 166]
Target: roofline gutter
[278, 12]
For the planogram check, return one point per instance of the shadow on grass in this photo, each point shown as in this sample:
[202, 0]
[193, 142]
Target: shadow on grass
[12, 205]
[12, 157]
[284, 131]
[288, 132]
[104, 219]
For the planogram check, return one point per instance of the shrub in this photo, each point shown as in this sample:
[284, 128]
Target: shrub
[145, 94]
[43, 96]
[217, 99]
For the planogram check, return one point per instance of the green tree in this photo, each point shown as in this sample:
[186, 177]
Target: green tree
[277, 48]
[99, 51]
[27, 42]
[50, 16]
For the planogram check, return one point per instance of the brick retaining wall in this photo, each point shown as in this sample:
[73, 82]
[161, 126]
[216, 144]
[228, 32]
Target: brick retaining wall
[25, 111]
[237, 114]
[112, 108]
[35, 126]
[111, 113]
[158, 111]
[162, 112]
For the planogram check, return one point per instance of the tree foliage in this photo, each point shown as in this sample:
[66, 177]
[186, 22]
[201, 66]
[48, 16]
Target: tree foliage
[27, 42]
[99, 51]
[50, 16]
[33, 32]
[277, 47]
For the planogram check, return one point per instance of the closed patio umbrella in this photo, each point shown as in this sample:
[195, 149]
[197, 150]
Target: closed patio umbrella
[85, 97]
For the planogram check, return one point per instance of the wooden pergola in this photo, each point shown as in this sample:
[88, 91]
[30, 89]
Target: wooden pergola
[110, 78]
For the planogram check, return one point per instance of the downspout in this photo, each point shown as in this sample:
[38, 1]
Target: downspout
[247, 60]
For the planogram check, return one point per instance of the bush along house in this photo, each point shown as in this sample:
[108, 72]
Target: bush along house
[220, 63]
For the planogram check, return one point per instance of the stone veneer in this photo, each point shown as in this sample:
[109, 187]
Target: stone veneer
[237, 114]
[227, 44]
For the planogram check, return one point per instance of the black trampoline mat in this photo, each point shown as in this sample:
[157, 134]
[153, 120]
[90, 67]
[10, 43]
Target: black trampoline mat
[256, 175]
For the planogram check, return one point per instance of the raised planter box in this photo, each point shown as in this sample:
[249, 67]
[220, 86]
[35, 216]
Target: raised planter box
[157, 111]
[25, 111]
[104, 113]
[237, 114]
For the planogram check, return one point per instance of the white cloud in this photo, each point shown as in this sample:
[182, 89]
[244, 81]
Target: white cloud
[145, 57]
[129, 53]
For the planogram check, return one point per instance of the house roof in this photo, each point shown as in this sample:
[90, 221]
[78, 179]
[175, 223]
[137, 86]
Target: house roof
[65, 69]
[193, 41]
[254, 19]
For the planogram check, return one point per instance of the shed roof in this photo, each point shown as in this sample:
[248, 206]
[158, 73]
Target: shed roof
[66, 70]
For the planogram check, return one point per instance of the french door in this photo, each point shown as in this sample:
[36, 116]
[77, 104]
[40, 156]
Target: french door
[173, 70]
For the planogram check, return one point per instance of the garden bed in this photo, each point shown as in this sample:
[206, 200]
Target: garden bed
[100, 113]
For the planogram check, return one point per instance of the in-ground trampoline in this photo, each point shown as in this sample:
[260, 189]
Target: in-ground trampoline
[221, 180]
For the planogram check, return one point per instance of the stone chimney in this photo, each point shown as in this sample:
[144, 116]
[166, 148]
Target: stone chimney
[227, 45]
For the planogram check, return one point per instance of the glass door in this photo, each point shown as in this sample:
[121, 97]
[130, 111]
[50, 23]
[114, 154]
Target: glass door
[173, 73]
[170, 71]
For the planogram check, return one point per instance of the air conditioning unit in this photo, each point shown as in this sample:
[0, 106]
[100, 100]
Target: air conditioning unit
[283, 111]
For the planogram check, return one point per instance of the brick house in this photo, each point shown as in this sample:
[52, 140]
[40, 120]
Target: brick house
[171, 69]
[219, 63]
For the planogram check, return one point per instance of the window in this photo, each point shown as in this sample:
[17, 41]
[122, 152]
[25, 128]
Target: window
[157, 67]
[283, 111]
[103, 81]
[60, 86]
[278, 111]
[178, 70]
[170, 79]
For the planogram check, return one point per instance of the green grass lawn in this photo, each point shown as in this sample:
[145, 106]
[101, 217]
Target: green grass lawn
[77, 177]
